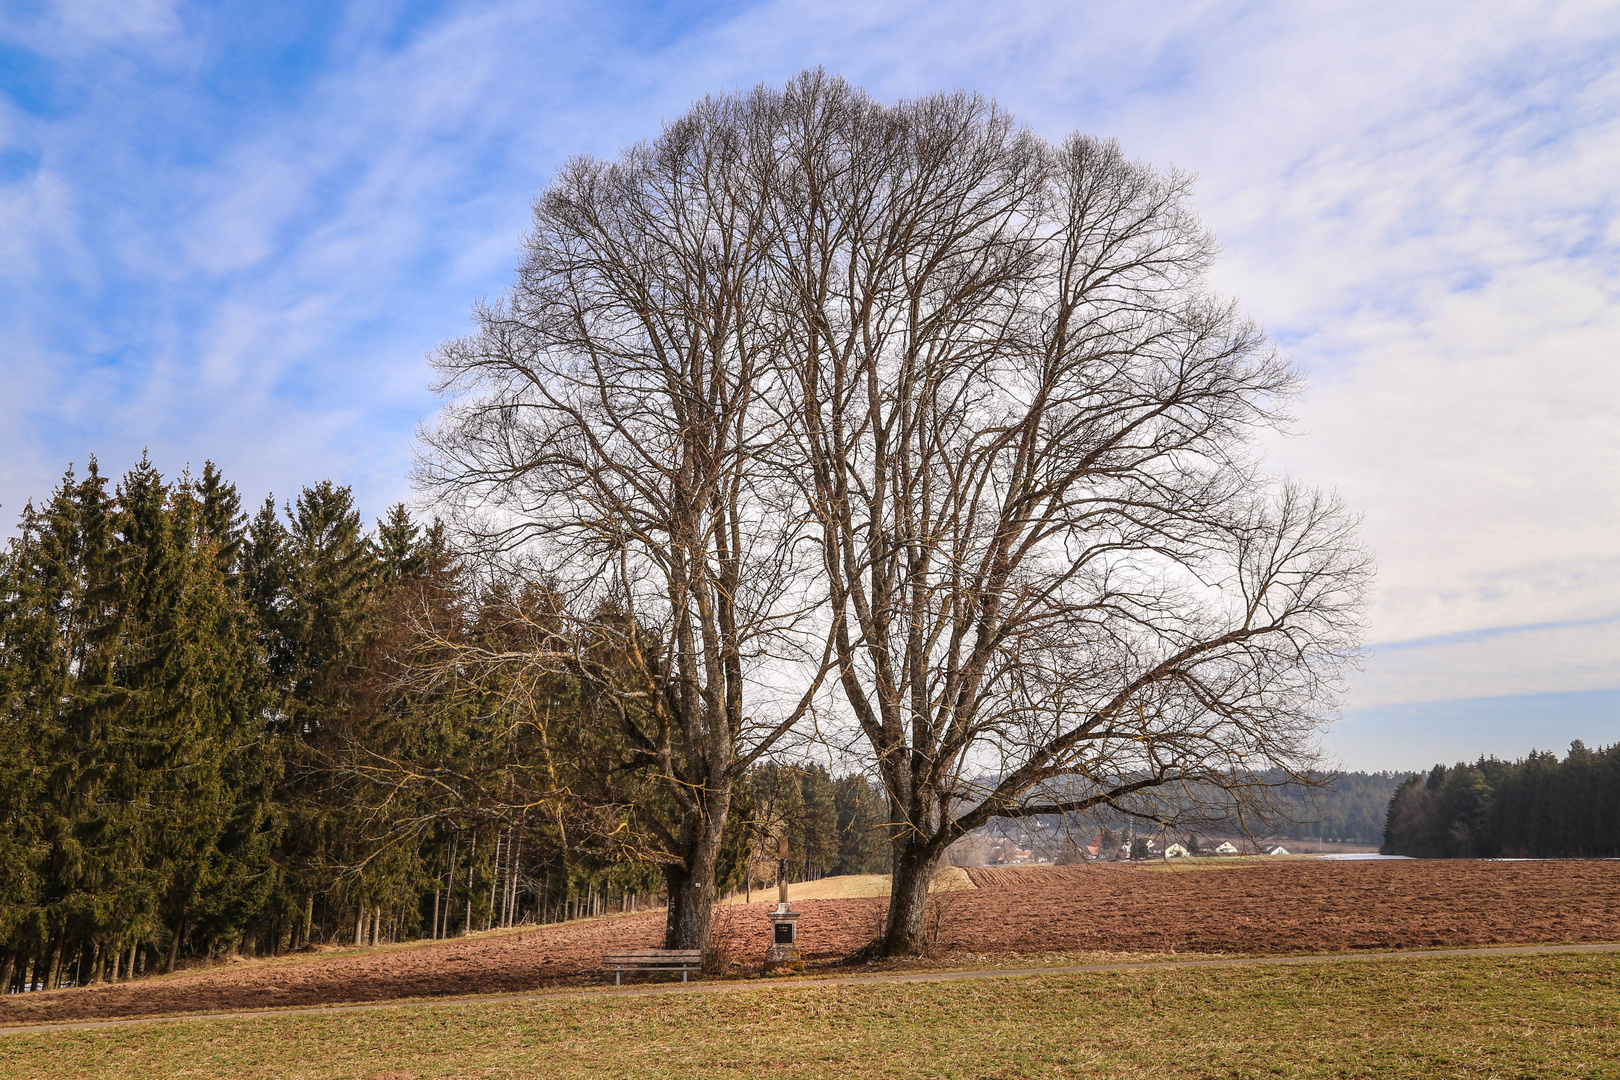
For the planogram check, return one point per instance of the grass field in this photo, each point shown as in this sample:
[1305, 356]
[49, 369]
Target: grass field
[1552, 1016]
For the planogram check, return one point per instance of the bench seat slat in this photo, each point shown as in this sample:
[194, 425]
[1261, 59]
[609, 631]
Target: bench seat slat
[675, 956]
[683, 960]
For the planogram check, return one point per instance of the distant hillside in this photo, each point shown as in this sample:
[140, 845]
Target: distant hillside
[1351, 809]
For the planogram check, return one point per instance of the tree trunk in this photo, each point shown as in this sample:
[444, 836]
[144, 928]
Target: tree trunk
[174, 943]
[495, 877]
[915, 861]
[309, 917]
[434, 933]
[6, 971]
[513, 866]
[53, 965]
[691, 885]
[472, 856]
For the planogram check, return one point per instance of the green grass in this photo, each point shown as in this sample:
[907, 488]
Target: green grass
[1539, 1016]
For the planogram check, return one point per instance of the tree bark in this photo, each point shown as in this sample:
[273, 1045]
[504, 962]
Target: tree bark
[691, 884]
[174, 943]
[915, 863]
[472, 858]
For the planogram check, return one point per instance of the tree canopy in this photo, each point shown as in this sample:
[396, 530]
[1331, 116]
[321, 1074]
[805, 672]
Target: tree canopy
[908, 395]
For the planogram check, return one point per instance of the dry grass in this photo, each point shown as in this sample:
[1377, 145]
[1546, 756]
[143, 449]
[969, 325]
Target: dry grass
[1539, 1016]
[852, 886]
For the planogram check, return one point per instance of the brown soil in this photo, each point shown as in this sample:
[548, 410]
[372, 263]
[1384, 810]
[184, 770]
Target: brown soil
[1294, 906]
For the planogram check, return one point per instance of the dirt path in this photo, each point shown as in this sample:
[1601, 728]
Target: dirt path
[1294, 907]
[755, 985]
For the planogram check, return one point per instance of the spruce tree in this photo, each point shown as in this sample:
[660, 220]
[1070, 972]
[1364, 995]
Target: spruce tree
[401, 554]
[20, 768]
[863, 843]
[324, 616]
[818, 821]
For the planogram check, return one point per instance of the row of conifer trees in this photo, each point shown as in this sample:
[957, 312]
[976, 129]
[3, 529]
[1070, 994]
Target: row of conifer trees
[1536, 807]
[233, 733]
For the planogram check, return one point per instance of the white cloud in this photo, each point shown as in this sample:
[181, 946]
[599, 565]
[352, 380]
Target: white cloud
[1419, 202]
[76, 28]
[112, 19]
[1417, 199]
[1509, 663]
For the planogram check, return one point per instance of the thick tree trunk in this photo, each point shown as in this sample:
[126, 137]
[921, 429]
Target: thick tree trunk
[6, 971]
[915, 863]
[691, 885]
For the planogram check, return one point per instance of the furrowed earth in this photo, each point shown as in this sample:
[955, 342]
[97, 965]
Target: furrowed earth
[1236, 907]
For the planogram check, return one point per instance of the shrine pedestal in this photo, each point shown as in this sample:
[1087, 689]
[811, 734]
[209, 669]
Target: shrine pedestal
[783, 956]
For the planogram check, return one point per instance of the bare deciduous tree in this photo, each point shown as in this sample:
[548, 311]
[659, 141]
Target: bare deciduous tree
[609, 434]
[982, 379]
[1057, 580]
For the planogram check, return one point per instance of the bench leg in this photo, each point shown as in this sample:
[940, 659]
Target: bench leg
[683, 974]
[616, 973]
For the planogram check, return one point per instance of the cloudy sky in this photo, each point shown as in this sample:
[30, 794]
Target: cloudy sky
[232, 232]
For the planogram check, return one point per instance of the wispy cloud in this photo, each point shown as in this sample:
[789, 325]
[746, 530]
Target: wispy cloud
[235, 236]
[1503, 662]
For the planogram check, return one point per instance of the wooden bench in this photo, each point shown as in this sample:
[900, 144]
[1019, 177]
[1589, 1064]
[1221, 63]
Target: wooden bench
[633, 960]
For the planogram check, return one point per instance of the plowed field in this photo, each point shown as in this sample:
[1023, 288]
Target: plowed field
[1294, 906]
[1282, 907]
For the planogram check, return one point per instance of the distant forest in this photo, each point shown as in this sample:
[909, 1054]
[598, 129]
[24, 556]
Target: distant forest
[223, 732]
[1350, 810]
[1537, 807]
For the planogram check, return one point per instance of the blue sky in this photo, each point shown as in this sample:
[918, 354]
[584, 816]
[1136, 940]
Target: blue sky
[232, 231]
